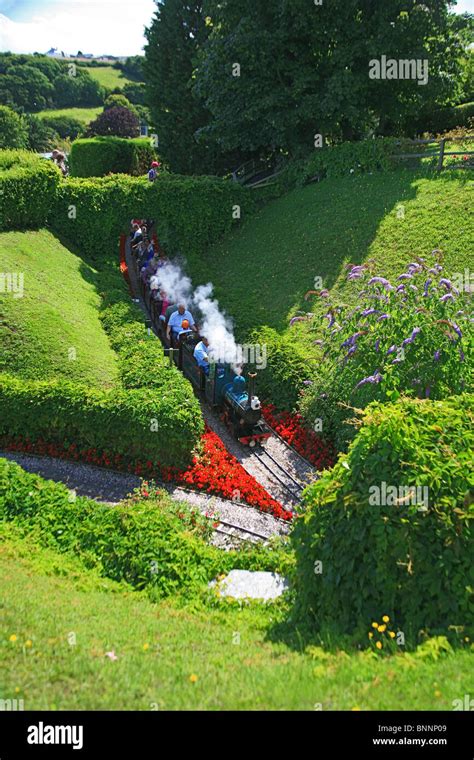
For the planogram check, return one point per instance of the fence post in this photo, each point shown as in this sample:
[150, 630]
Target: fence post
[441, 153]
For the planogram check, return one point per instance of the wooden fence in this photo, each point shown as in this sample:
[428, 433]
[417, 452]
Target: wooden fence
[440, 152]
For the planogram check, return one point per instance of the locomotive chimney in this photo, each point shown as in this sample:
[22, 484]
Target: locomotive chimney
[252, 377]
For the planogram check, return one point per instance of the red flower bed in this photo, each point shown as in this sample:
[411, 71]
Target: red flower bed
[214, 470]
[309, 444]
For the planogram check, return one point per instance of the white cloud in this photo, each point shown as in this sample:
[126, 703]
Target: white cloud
[93, 26]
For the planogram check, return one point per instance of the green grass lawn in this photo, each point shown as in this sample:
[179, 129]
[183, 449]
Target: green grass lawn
[108, 76]
[86, 115]
[54, 328]
[59, 620]
[263, 270]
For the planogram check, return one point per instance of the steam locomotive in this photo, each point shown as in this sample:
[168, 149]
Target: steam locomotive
[223, 389]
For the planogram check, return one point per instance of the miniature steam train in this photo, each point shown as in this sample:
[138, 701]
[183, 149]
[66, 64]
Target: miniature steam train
[223, 390]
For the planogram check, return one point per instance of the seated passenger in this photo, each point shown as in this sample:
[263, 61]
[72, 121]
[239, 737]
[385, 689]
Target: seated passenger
[168, 312]
[176, 320]
[201, 355]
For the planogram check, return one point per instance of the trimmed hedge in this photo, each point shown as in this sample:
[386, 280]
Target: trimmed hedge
[191, 212]
[28, 186]
[99, 156]
[116, 421]
[142, 542]
[412, 562]
[444, 119]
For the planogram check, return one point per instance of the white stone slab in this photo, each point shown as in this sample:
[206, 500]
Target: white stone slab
[245, 584]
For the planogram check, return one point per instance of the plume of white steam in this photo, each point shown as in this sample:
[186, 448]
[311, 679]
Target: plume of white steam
[177, 286]
[213, 324]
[217, 328]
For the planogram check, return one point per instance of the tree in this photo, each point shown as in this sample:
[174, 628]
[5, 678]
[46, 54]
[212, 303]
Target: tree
[121, 101]
[177, 33]
[41, 137]
[117, 121]
[13, 129]
[274, 75]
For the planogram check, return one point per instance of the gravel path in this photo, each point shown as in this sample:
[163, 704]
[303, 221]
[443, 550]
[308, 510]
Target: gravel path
[110, 487]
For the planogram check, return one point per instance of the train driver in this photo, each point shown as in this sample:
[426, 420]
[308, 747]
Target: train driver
[176, 320]
[201, 355]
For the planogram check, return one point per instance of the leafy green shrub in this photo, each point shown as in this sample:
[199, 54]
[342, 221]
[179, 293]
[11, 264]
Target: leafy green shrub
[191, 212]
[138, 424]
[65, 126]
[411, 339]
[443, 119]
[28, 187]
[408, 555]
[150, 543]
[13, 129]
[98, 156]
[338, 160]
[286, 368]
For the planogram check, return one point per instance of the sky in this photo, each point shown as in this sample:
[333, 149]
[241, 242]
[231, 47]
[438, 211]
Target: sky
[93, 26]
[114, 27]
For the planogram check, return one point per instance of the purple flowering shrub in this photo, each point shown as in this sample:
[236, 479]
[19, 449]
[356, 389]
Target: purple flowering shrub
[410, 336]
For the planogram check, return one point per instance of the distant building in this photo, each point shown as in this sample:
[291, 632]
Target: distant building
[55, 53]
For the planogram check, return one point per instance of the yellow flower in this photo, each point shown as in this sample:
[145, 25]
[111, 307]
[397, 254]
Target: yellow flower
[437, 693]
[13, 637]
[379, 645]
[375, 625]
[17, 689]
[146, 646]
[355, 709]
[371, 635]
[193, 678]
[466, 638]
[386, 619]
[28, 643]
[391, 634]
[382, 628]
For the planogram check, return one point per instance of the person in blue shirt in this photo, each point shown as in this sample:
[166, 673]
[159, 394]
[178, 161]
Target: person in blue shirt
[153, 173]
[176, 321]
[201, 355]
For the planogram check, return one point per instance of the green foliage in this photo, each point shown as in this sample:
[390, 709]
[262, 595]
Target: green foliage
[340, 160]
[150, 543]
[13, 129]
[443, 119]
[306, 70]
[41, 137]
[28, 186]
[118, 100]
[408, 557]
[412, 339]
[99, 156]
[134, 423]
[65, 126]
[176, 34]
[33, 83]
[191, 212]
[286, 368]
[135, 92]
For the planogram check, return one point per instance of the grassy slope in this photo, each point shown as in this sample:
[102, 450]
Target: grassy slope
[58, 312]
[85, 115]
[46, 597]
[108, 76]
[264, 269]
